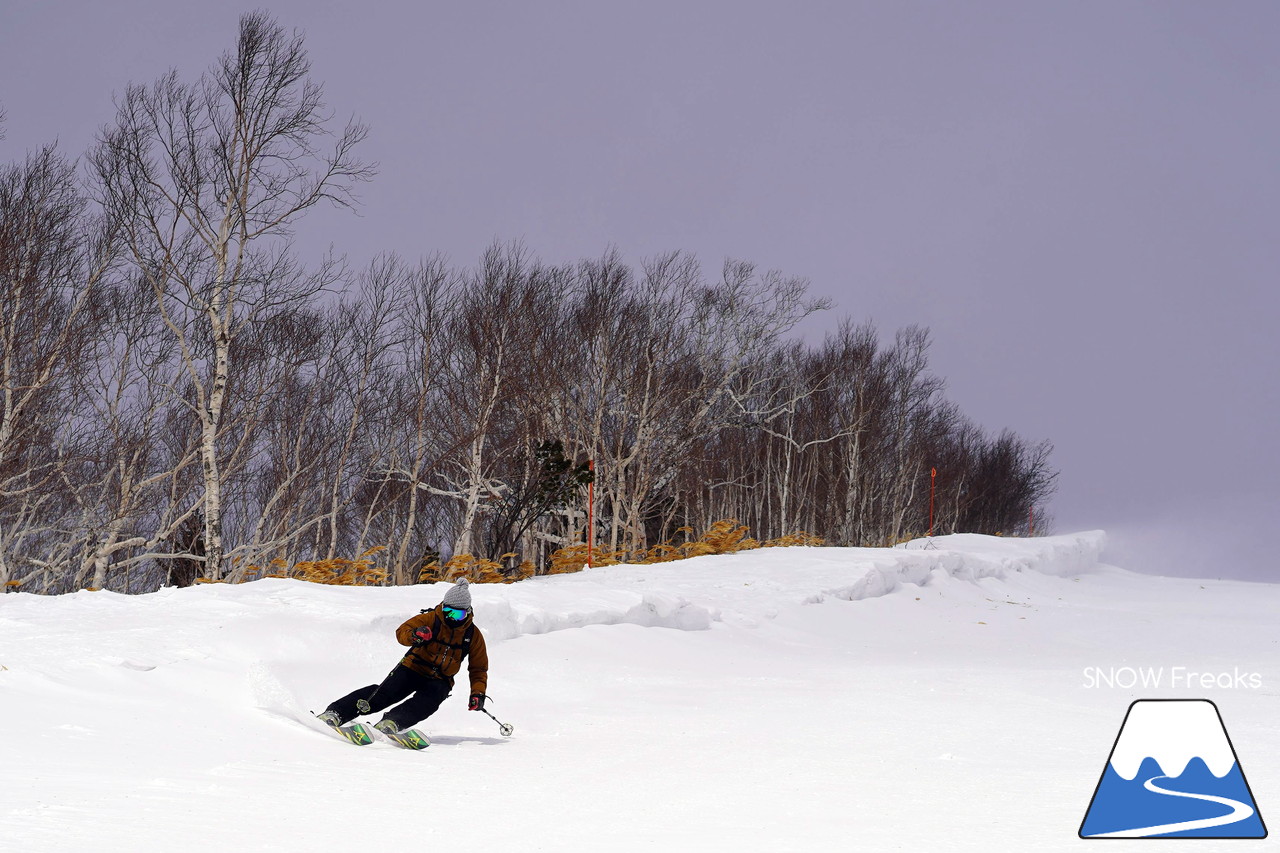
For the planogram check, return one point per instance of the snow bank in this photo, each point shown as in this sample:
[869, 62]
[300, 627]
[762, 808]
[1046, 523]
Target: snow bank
[750, 586]
[970, 557]
[261, 630]
[743, 589]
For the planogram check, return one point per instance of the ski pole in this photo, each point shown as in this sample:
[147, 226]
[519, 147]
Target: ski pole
[502, 727]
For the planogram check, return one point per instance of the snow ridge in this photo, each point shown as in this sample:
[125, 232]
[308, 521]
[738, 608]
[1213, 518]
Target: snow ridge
[744, 588]
[967, 557]
[505, 619]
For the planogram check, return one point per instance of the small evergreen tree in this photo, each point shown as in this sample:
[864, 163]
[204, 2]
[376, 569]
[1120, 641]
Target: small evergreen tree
[553, 481]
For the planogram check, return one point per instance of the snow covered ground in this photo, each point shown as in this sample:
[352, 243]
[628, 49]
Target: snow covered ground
[962, 694]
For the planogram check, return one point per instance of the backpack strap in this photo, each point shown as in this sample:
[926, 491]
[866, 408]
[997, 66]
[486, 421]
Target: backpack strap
[464, 644]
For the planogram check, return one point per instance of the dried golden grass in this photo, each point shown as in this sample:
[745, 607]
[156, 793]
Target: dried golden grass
[474, 569]
[726, 536]
[799, 539]
[338, 571]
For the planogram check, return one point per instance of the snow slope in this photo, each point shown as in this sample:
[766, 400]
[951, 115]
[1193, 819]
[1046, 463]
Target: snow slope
[942, 695]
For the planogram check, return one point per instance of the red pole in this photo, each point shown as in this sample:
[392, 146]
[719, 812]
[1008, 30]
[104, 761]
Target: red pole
[933, 478]
[591, 508]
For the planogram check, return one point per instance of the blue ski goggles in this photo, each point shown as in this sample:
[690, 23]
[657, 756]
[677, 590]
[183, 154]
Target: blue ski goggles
[455, 614]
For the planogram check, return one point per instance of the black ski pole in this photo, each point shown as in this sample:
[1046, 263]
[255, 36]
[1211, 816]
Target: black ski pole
[502, 727]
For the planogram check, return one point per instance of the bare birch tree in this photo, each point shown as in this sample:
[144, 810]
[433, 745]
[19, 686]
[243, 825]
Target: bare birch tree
[485, 377]
[55, 256]
[417, 442]
[208, 180]
[124, 476]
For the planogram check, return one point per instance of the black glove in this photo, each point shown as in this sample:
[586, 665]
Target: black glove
[476, 703]
[422, 635]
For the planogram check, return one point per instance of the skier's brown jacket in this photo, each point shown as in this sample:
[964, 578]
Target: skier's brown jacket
[442, 656]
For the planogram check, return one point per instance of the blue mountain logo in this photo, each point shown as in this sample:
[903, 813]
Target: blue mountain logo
[1173, 773]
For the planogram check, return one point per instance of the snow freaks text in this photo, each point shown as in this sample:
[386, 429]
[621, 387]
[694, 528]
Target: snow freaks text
[1173, 677]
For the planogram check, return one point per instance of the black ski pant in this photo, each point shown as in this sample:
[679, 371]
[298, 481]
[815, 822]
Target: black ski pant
[421, 695]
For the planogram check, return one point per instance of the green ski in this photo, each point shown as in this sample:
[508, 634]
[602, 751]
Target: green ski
[408, 739]
[356, 732]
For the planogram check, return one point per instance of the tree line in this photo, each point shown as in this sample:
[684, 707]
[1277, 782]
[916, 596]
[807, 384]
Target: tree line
[184, 399]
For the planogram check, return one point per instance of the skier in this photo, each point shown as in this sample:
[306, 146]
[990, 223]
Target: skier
[438, 640]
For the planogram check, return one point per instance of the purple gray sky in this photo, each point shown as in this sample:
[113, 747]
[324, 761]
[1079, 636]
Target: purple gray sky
[1080, 199]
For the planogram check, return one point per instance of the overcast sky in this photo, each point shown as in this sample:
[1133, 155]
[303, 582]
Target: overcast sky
[1080, 199]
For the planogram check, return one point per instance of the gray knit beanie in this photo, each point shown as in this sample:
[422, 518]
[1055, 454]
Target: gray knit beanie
[459, 595]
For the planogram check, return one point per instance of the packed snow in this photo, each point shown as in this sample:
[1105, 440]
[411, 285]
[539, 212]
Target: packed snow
[959, 693]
